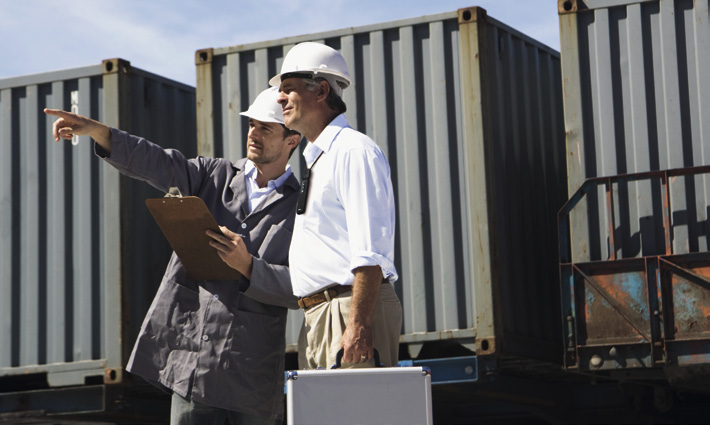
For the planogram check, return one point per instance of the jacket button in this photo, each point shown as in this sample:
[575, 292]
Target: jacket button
[205, 337]
[244, 225]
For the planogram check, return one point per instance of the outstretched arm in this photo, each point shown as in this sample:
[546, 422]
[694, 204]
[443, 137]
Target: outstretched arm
[69, 124]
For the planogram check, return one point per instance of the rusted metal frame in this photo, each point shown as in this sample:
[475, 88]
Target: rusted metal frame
[666, 307]
[571, 334]
[615, 305]
[566, 270]
[666, 192]
[659, 296]
[654, 282]
[610, 217]
[668, 268]
[596, 181]
[566, 260]
[563, 224]
[563, 240]
[571, 331]
[687, 273]
[572, 202]
[673, 172]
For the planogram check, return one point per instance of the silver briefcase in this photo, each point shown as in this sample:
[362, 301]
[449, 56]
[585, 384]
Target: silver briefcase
[374, 396]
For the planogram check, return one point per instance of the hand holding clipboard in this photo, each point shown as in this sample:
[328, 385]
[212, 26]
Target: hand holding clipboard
[184, 221]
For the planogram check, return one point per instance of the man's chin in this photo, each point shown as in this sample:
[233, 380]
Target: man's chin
[253, 154]
[257, 159]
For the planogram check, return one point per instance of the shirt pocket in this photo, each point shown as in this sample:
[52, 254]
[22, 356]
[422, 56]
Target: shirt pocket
[258, 343]
[274, 247]
[174, 315]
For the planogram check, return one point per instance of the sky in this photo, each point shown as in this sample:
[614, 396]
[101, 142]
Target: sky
[161, 36]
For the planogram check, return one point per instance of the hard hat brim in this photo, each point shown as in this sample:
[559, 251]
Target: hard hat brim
[341, 78]
[260, 117]
[265, 107]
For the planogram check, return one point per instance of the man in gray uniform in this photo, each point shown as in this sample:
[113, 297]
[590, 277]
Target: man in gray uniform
[217, 345]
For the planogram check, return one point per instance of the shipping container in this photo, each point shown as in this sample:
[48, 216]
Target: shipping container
[469, 113]
[636, 99]
[634, 236]
[80, 256]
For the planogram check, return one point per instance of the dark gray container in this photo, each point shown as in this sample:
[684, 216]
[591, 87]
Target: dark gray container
[80, 256]
[469, 113]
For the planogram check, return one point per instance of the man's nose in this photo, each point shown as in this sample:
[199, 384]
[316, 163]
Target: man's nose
[253, 133]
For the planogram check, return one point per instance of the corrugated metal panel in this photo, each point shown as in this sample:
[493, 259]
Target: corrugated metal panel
[637, 100]
[469, 113]
[81, 256]
[519, 179]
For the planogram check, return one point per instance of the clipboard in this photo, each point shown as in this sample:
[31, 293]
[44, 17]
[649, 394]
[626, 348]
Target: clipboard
[184, 220]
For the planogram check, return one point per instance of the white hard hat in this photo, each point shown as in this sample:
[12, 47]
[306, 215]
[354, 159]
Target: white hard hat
[320, 61]
[265, 107]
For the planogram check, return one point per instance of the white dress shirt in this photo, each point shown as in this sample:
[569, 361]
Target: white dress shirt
[350, 217]
[257, 194]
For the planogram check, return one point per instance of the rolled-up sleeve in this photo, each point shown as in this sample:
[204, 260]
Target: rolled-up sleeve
[365, 188]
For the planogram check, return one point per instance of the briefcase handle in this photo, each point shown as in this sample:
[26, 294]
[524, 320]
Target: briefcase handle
[339, 359]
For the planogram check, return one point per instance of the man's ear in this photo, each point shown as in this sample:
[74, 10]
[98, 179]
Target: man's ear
[293, 140]
[323, 90]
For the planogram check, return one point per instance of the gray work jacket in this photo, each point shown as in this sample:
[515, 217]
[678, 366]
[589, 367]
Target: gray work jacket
[219, 343]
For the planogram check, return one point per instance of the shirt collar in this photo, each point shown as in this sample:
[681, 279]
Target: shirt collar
[249, 169]
[250, 173]
[325, 140]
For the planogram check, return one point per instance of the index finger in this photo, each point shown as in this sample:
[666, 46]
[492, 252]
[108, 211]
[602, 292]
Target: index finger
[57, 113]
[214, 235]
[228, 232]
[62, 117]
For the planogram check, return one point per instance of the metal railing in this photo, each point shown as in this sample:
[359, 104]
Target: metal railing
[657, 322]
[594, 182]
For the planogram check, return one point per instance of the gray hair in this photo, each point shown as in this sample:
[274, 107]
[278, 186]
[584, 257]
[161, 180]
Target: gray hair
[333, 100]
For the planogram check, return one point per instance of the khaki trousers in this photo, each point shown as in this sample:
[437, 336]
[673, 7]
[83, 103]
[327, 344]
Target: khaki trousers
[324, 324]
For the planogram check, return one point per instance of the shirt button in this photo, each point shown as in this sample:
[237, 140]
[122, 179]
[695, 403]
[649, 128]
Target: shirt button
[216, 296]
[244, 225]
[205, 337]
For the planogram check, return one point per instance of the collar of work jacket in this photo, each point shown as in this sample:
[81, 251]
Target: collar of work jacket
[239, 187]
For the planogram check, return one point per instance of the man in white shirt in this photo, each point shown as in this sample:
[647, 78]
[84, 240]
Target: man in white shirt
[342, 250]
